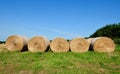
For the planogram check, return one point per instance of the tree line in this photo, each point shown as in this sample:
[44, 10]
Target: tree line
[1, 42]
[110, 30]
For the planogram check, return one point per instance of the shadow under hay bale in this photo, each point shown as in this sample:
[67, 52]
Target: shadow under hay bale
[16, 43]
[38, 44]
[59, 45]
[89, 41]
[102, 44]
[79, 45]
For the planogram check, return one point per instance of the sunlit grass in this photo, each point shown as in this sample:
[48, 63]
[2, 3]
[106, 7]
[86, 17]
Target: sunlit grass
[60, 63]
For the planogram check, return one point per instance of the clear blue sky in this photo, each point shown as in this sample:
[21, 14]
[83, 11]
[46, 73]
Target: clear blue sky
[56, 18]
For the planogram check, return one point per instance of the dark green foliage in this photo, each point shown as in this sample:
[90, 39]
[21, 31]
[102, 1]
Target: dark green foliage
[117, 40]
[112, 31]
[68, 40]
[2, 42]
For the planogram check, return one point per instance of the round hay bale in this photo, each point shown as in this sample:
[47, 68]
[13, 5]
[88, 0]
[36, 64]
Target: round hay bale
[90, 40]
[16, 43]
[59, 45]
[103, 44]
[38, 44]
[79, 45]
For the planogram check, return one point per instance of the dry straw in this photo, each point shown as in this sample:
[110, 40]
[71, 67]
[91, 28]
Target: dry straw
[79, 45]
[59, 45]
[102, 44]
[3, 47]
[38, 44]
[16, 43]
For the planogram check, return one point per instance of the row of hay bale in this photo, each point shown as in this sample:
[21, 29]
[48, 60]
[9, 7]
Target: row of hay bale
[42, 44]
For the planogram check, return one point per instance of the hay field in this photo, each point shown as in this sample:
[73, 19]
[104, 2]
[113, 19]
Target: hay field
[59, 63]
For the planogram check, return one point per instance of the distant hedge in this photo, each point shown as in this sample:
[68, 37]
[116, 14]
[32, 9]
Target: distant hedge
[2, 42]
[111, 30]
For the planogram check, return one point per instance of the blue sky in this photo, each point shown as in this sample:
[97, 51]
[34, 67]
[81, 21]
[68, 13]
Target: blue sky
[56, 18]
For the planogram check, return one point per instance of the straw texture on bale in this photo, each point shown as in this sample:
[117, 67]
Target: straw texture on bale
[102, 44]
[38, 44]
[79, 45]
[90, 40]
[16, 43]
[59, 45]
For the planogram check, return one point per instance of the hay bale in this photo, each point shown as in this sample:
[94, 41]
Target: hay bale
[38, 44]
[79, 45]
[16, 43]
[59, 45]
[102, 44]
[90, 40]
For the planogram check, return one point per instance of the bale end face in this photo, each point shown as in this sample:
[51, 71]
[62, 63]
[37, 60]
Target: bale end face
[38, 44]
[79, 45]
[59, 45]
[103, 44]
[16, 43]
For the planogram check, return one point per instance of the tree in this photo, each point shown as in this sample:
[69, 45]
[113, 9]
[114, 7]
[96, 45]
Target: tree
[1, 42]
[111, 30]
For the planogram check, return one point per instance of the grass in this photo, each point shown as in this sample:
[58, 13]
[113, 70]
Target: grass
[59, 63]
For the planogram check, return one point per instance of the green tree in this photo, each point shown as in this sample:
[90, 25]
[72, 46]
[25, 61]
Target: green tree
[2, 42]
[111, 30]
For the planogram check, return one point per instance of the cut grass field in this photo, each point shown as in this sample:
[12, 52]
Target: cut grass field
[59, 63]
